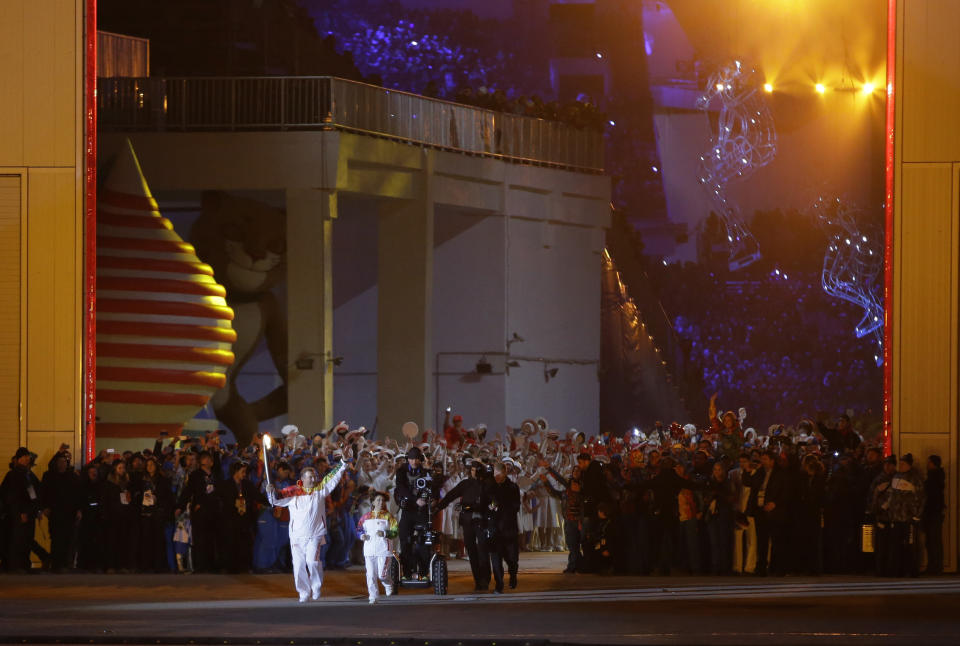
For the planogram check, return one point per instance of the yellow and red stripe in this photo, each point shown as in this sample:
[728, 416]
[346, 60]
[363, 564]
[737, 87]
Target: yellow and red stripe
[163, 325]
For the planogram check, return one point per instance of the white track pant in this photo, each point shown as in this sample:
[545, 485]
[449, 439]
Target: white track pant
[377, 571]
[307, 568]
[745, 540]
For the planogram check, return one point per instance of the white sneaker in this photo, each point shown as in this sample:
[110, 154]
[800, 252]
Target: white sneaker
[388, 590]
[304, 599]
[316, 595]
[373, 600]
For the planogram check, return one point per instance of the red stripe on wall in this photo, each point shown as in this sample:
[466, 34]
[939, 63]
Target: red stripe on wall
[134, 221]
[165, 308]
[152, 264]
[888, 213]
[127, 201]
[140, 244]
[89, 438]
[160, 285]
[150, 397]
[138, 328]
[165, 353]
[160, 376]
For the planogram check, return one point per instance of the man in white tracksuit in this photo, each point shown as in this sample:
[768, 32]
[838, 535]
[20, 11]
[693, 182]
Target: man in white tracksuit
[377, 528]
[306, 501]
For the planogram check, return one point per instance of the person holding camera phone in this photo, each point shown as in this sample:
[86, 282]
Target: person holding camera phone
[470, 493]
[414, 489]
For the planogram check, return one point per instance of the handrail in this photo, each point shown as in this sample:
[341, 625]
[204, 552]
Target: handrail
[324, 102]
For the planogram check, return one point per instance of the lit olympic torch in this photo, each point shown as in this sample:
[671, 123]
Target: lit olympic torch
[267, 440]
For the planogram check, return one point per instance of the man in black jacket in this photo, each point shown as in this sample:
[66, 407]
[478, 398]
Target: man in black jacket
[200, 498]
[59, 493]
[21, 499]
[470, 492]
[772, 519]
[503, 498]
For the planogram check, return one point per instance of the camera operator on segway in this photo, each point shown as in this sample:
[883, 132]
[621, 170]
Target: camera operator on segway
[414, 493]
[470, 492]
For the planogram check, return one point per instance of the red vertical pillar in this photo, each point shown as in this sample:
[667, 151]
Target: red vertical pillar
[90, 234]
[888, 212]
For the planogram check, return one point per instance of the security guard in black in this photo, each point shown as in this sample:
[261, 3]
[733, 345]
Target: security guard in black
[470, 492]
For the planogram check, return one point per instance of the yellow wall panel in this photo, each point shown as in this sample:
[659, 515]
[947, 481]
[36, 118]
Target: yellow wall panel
[925, 313]
[52, 315]
[39, 94]
[11, 82]
[51, 83]
[928, 93]
[68, 88]
[41, 314]
[66, 316]
[10, 216]
[41, 117]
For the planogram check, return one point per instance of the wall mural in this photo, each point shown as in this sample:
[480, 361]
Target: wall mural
[244, 240]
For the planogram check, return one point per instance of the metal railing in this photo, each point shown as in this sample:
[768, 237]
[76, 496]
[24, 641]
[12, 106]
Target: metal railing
[323, 102]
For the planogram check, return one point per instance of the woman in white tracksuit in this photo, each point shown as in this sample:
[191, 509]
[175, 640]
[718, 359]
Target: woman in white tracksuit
[377, 529]
[307, 502]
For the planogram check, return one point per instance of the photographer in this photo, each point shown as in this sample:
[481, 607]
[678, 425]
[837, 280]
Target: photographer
[470, 492]
[415, 489]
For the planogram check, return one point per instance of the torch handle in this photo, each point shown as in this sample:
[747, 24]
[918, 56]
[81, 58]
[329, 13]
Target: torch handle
[266, 465]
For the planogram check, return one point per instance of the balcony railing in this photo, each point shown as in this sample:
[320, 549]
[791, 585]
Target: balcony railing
[320, 102]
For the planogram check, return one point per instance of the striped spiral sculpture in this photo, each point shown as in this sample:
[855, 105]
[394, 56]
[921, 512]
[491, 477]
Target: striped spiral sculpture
[164, 333]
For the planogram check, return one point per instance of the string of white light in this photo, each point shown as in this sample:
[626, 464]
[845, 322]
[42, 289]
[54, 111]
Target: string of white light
[745, 141]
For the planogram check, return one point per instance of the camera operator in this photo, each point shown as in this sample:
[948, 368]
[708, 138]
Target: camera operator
[470, 492]
[415, 489]
[503, 504]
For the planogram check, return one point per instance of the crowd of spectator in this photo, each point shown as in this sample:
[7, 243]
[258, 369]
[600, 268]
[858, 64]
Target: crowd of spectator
[760, 338]
[410, 48]
[717, 499]
[428, 52]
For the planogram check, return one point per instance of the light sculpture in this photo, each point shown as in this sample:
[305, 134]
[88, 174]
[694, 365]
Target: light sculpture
[743, 142]
[853, 263]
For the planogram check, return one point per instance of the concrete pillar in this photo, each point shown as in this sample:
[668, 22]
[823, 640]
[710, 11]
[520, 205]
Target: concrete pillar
[404, 312]
[310, 215]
